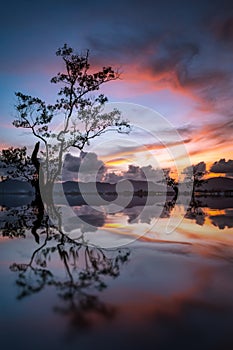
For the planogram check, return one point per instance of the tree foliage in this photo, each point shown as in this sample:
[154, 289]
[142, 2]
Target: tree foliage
[17, 164]
[82, 114]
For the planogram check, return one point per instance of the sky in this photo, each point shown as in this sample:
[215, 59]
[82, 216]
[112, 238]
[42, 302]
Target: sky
[175, 57]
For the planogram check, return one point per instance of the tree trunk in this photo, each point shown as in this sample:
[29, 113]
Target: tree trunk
[36, 163]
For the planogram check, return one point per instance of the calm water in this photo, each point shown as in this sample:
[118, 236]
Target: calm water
[158, 288]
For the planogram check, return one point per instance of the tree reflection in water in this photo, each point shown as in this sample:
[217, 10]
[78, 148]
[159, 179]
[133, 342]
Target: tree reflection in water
[83, 270]
[16, 221]
[195, 212]
[86, 269]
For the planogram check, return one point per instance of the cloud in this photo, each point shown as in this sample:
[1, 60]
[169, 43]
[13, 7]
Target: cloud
[222, 167]
[113, 177]
[173, 57]
[182, 54]
[145, 147]
[72, 163]
[213, 136]
[89, 219]
[222, 28]
[197, 170]
[87, 167]
[181, 46]
[223, 220]
[220, 132]
[183, 68]
[144, 173]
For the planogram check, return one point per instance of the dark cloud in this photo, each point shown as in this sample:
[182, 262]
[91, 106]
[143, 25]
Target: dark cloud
[83, 168]
[223, 221]
[222, 28]
[222, 167]
[72, 163]
[176, 47]
[89, 219]
[197, 170]
[226, 32]
[160, 35]
[144, 173]
[174, 56]
[174, 42]
[187, 66]
[112, 178]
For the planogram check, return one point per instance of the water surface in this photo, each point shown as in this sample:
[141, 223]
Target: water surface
[160, 291]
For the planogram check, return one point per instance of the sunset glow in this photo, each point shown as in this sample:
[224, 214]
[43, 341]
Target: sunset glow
[116, 175]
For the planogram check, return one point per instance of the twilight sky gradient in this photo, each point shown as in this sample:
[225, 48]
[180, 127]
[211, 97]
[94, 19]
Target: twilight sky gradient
[175, 57]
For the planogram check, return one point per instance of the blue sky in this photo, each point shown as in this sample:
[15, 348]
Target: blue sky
[175, 57]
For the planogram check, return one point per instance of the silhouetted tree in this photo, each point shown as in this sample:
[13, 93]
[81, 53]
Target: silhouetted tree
[171, 183]
[195, 173]
[17, 164]
[82, 114]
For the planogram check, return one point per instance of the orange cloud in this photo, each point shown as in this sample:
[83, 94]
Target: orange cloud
[116, 162]
[148, 81]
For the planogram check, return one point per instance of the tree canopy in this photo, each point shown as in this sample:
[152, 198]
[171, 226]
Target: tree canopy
[83, 116]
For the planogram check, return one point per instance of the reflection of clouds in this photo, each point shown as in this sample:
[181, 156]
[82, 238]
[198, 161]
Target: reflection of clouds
[90, 219]
[135, 214]
[167, 209]
[141, 211]
[139, 214]
[196, 214]
[138, 211]
[223, 220]
[179, 303]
